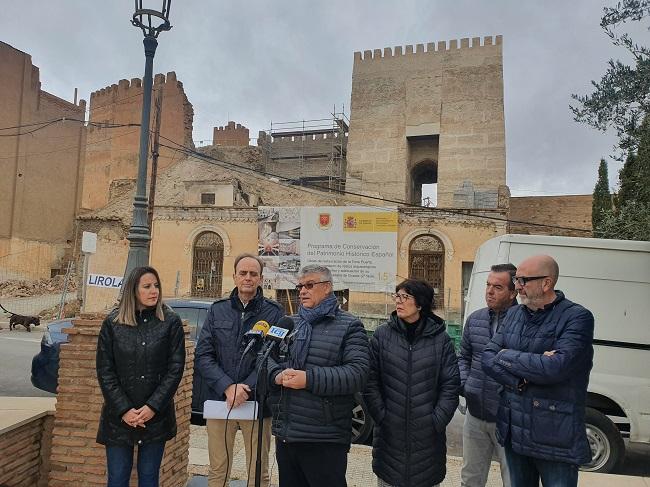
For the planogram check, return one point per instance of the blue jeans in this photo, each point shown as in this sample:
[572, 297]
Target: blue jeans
[526, 471]
[119, 462]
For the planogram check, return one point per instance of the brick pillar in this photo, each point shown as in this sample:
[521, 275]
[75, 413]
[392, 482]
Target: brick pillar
[76, 457]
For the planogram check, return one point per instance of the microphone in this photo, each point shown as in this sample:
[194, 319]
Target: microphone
[278, 333]
[256, 334]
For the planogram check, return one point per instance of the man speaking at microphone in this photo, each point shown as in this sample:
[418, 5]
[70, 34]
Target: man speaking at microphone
[327, 363]
[229, 375]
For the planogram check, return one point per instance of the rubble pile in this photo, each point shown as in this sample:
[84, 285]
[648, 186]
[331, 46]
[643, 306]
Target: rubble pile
[70, 310]
[21, 289]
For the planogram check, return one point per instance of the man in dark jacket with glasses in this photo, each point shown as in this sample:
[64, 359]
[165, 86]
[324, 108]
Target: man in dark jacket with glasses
[314, 389]
[542, 355]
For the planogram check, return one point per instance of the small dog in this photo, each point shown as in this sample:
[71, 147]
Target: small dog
[16, 320]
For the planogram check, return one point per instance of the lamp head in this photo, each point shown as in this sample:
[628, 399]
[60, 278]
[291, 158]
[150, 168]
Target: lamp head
[152, 22]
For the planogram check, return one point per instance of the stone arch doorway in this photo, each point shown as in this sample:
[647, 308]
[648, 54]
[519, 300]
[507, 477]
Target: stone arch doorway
[427, 262]
[424, 172]
[207, 265]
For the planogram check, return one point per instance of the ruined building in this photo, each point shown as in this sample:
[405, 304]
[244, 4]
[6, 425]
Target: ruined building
[420, 115]
[111, 153]
[41, 162]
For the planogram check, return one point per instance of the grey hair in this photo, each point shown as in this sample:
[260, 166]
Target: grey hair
[317, 269]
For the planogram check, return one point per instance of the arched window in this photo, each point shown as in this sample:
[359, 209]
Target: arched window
[424, 183]
[207, 265]
[427, 262]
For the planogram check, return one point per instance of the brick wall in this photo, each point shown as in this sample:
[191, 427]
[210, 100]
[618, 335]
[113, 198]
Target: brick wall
[231, 135]
[76, 457]
[40, 167]
[24, 461]
[568, 216]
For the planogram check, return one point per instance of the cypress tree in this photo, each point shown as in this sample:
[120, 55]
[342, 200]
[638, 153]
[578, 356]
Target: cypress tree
[601, 204]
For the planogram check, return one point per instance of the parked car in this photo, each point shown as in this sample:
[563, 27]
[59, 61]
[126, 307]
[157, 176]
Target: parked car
[45, 364]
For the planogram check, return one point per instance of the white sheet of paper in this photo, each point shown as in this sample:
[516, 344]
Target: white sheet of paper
[219, 410]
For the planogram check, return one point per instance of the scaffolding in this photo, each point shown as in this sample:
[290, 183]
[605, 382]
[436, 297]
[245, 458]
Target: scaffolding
[310, 152]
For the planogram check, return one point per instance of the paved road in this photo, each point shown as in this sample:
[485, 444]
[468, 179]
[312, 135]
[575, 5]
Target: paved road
[17, 349]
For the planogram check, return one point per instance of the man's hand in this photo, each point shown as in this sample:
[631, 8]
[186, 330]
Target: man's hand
[131, 417]
[550, 353]
[232, 400]
[285, 374]
[144, 414]
[293, 379]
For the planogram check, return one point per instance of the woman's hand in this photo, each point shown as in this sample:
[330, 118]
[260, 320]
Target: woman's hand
[131, 417]
[144, 414]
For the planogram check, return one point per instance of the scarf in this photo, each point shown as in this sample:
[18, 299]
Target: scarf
[302, 335]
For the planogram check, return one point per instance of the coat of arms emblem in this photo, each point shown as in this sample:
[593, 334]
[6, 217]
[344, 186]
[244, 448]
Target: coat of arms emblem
[324, 221]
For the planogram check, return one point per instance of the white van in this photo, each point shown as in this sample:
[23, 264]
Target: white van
[611, 278]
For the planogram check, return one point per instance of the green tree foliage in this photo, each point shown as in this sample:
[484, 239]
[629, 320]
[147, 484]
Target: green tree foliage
[601, 205]
[630, 218]
[631, 222]
[621, 99]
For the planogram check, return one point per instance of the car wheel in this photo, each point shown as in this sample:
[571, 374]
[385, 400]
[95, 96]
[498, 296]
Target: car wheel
[605, 441]
[362, 423]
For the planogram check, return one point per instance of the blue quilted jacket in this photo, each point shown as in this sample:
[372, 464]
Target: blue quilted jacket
[480, 390]
[544, 418]
[337, 367]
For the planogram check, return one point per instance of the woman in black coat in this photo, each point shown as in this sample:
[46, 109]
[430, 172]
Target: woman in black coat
[140, 361]
[412, 391]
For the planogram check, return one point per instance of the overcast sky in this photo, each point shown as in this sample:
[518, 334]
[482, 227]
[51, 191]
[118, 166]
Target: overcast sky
[257, 61]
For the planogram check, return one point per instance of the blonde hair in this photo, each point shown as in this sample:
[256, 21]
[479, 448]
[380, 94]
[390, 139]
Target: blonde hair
[129, 301]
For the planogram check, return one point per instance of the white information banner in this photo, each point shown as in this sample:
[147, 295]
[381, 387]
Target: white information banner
[358, 244]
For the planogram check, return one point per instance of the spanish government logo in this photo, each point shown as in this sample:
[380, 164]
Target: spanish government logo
[350, 222]
[324, 221]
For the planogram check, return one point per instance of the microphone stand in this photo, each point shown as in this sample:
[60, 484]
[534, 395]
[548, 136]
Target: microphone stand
[261, 389]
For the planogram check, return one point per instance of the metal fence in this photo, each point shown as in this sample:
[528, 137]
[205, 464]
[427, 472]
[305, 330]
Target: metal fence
[46, 298]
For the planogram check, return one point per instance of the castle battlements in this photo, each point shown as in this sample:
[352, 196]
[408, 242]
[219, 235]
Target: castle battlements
[431, 48]
[298, 140]
[124, 85]
[231, 135]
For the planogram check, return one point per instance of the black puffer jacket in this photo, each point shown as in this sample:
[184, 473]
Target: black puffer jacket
[138, 365]
[337, 367]
[412, 394]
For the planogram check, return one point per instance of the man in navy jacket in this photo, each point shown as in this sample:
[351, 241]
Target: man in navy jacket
[482, 392]
[542, 355]
[231, 377]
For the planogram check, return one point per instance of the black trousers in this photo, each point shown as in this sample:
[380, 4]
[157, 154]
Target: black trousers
[311, 464]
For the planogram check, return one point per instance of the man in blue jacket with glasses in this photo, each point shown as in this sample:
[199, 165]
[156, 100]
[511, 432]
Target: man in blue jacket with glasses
[542, 355]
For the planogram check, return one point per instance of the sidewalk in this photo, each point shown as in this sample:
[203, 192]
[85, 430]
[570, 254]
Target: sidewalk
[359, 464]
[360, 471]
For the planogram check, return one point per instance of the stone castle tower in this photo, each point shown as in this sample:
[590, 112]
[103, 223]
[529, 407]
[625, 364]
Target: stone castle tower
[429, 115]
[111, 155]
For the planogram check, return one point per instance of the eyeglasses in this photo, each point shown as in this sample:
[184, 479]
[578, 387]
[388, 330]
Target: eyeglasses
[522, 280]
[308, 285]
[401, 297]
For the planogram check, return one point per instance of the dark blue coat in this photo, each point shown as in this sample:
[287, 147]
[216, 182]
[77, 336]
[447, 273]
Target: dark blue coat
[545, 418]
[221, 343]
[412, 394]
[337, 367]
[480, 390]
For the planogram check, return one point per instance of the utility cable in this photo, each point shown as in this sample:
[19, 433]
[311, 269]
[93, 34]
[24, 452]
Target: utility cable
[265, 175]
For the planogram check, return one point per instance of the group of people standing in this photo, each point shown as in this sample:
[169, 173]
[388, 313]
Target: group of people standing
[523, 370]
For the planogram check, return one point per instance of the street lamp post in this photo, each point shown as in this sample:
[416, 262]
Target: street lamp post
[152, 23]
